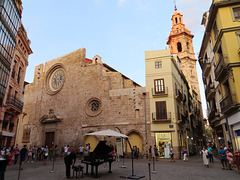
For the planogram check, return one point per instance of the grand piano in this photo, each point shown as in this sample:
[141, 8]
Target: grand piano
[100, 155]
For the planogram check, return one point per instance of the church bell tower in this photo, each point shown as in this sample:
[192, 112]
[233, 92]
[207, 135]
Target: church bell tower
[180, 43]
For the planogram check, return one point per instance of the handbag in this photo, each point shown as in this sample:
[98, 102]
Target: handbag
[207, 156]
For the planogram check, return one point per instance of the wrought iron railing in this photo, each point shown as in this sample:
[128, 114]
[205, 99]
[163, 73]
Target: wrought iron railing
[161, 116]
[11, 100]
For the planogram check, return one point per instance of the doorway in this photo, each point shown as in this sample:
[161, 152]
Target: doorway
[49, 138]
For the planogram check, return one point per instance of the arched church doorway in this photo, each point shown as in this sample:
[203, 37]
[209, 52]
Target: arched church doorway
[135, 140]
[93, 141]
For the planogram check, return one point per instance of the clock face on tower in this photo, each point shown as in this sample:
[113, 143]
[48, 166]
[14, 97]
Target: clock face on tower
[56, 79]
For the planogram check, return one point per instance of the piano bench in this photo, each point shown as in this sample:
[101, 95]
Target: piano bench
[77, 169]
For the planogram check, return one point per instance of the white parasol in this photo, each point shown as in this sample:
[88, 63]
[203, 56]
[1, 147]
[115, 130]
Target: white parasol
[108, 133]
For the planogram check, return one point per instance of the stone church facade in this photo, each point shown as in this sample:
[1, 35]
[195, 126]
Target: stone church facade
[72, 96]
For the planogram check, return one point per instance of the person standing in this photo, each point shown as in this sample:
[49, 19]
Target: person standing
[30, 154]
[69, 160]
[150, 153]
[156, 152]
[223, 156]
[210, 153]
[81, 149]
[16, 152]
[23, 153]
[237, 159]
[205, 156]
[185, 154]
[171, 154]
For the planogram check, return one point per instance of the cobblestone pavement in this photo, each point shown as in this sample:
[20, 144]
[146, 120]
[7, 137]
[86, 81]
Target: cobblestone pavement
[193, 169]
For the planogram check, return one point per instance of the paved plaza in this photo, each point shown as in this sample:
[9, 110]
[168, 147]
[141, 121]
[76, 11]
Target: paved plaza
[193, 169]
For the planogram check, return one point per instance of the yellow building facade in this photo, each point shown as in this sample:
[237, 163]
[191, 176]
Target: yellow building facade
[168, 93]
[224, 28]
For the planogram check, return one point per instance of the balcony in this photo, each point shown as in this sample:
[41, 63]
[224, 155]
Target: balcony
[164, 92]
[178, 95]
[15, 103]
[210, 91]
[221, 69]
[158, 117]
[206, 67]
[213, 115]
[228, 103]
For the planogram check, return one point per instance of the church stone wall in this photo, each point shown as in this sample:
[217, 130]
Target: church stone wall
[118, 107]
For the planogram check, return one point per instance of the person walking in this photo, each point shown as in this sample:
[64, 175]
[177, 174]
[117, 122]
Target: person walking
[23, 153]
[81, 149]
[205, 155]
[185, 154]
[223, 157]
[16, 152]
[156, 152]
[69, 160]
[210, 154]
[230, 159]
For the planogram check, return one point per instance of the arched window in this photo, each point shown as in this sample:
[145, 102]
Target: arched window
[179, 47]
[187, 45]
[180, 19]
[176, 20]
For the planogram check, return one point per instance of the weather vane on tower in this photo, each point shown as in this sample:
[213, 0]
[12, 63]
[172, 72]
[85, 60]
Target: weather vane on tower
[175, 5]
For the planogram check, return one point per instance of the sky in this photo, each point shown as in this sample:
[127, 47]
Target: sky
[119, 31]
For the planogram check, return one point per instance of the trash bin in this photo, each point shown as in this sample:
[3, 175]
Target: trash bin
[3, 165]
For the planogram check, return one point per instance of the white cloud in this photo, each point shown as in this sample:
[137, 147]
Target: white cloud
[121, 1]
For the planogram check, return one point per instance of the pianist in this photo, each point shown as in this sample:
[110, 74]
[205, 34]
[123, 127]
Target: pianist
[69, 160]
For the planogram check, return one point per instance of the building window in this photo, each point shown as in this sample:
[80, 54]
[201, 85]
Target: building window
[179, 47]
[161, 110]
[178, 112]
[215, 29]
[159, 86]
[158, 64]
[236, 13]
[176, 20]
[180, 19]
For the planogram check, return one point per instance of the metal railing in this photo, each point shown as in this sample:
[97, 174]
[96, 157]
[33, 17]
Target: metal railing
[160, 93]
[12, 100]
[161, 116]
[220, 70]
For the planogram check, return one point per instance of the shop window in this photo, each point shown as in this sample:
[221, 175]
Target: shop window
[158, 64]
[159, 86]
[235, 13]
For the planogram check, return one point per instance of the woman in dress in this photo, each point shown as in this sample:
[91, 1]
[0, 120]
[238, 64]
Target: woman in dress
[230, 159]
[237, 159]
[205, 159]
[30, 154]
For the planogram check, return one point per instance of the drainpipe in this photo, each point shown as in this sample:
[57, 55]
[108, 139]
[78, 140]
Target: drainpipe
[144, 95]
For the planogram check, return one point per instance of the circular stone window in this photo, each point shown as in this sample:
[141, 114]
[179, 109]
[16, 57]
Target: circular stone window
[55, 79]
[93, 107]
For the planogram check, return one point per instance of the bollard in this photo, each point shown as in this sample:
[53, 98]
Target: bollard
[52, 171]
[153, 171]
[149, 171]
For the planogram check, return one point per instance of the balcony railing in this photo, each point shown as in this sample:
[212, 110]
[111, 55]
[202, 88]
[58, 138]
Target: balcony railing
[228, 103]
[179, 95]
[214, 113]
[206, 68]
[221, 69]
[161, 117]
[13, 101]
[210, 91]
[164, 92]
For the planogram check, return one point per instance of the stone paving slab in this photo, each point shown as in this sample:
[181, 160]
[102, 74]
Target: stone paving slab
[193, 169]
